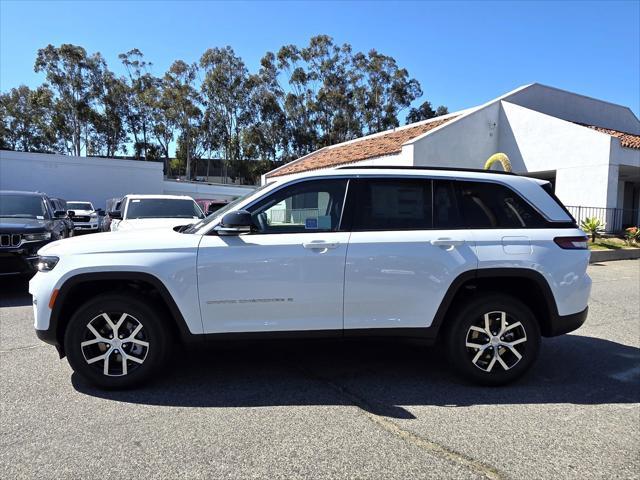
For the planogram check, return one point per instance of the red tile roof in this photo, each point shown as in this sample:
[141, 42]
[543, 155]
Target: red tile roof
[387, 143]
[628, 140]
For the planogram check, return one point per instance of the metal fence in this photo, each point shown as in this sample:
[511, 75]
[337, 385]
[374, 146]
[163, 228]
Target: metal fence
[615, 219]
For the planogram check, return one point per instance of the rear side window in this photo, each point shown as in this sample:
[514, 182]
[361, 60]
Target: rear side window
[394, 204]
[490, 205]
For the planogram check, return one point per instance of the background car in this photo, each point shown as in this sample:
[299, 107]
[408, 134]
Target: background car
[112, 204]
[209, 205]
[27, 222]
[85, 217]
[154, 211]
[59, 204]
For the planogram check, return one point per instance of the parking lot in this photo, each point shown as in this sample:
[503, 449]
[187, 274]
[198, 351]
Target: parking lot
[332, 409]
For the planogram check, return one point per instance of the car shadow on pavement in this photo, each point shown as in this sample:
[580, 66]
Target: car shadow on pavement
[14, 291]
[381, 377]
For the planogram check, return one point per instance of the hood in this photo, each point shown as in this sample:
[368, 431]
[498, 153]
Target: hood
[82, 213]
[119, 242]
[23, 225]
[147, 223]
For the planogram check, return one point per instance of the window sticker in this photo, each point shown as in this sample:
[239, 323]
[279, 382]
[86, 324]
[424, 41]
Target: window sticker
[324, 222]
[39, 217]
[135, 201]
[311, 224]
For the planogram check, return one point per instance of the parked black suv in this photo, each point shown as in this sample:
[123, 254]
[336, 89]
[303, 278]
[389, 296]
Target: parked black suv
[27, 222]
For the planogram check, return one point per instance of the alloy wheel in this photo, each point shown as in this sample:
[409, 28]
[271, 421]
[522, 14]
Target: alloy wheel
[496, 339]
[115, 348]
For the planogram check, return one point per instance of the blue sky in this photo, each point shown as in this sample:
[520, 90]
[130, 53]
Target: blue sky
[462, 53]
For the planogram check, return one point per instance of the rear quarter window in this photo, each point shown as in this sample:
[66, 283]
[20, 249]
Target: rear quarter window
[491, 205]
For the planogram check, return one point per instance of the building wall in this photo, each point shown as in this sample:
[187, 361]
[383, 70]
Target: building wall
[576, 108]
[465, 142]
[96, 179]
[536, 142]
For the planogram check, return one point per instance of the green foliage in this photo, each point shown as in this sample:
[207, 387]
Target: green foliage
[592, 226]
[300, 99]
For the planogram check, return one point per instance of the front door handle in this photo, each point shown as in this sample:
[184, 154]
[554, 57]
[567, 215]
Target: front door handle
[447, 242]
[320, 245]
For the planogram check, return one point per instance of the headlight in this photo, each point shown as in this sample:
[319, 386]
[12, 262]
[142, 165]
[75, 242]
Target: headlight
[36, 237]
[94, 215]
[46, 263]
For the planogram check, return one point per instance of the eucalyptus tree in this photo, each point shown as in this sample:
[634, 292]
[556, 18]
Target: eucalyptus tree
[386, 90]
[139, 113]
[424, 112]
[108, 120]
[226, 93]
[26, 118]
[180, 99]
[75, 78]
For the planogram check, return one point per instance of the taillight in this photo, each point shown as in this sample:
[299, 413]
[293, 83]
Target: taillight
[571, 243]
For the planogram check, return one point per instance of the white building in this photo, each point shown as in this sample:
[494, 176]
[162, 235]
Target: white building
[589, 148]
[98, 179]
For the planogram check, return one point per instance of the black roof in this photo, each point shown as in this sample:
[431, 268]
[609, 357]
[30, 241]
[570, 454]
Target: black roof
[405, 167]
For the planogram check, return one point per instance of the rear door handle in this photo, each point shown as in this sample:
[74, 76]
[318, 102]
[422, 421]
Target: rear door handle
[320, 245]
[447, 242]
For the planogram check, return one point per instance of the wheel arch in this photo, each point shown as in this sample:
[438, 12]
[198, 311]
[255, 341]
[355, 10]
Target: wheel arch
[77, 289]
[527, 285]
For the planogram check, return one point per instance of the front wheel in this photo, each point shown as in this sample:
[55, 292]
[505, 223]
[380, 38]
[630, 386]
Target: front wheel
[116, 341]
[493, 340]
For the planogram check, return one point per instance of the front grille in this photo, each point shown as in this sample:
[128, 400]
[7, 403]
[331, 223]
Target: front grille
[9, 239]
[80, 219]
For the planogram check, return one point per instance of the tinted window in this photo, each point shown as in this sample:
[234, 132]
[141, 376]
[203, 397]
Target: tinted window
[489, 205]
[22, 206]
[162, 208]
[393, 204]
[306, 207]
[446, 212]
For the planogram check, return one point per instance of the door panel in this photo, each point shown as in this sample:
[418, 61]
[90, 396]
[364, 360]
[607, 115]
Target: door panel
[398, 279]
[272, 282]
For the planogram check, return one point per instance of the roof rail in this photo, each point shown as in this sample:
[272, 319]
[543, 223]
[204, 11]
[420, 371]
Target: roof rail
[405, 167]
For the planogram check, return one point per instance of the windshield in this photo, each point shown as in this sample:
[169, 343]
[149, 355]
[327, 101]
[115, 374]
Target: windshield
[162, 208]
[219, 213]
[22, 206]
[79, 206]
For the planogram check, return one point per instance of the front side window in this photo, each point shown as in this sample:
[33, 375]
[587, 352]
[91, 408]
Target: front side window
[306, 207]
[490, 205]
[162, 208]
[393, 204]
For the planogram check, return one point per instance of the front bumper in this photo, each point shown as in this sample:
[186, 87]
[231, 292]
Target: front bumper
[19, 260]
[567, 323]
[86, 226]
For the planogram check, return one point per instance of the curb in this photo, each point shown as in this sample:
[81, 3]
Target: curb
[610, 255]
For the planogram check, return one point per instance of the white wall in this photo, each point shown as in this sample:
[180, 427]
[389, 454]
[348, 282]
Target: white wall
[78, 178]
[576, 108]
[97, 179]
[203, 190]
[464, 142]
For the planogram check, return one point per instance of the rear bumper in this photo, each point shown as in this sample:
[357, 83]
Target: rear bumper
[567, 323]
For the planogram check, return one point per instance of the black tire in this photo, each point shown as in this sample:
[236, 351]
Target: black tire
[475, 363]
[154, 332]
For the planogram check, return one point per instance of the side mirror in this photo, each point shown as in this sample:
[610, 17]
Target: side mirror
[71, 213]
[117, 214]
[235, 223]
[59, 214]
[101, 212]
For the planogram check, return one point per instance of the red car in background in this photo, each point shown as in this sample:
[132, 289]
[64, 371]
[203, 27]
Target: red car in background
[209, 205]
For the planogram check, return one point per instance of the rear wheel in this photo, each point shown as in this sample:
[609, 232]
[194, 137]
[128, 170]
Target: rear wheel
[116, 341]
[493, 340]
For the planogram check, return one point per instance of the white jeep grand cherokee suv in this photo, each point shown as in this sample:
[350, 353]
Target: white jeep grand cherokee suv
[485, 263]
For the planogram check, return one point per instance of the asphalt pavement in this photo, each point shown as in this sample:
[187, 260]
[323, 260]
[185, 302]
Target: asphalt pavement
[332, 409]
